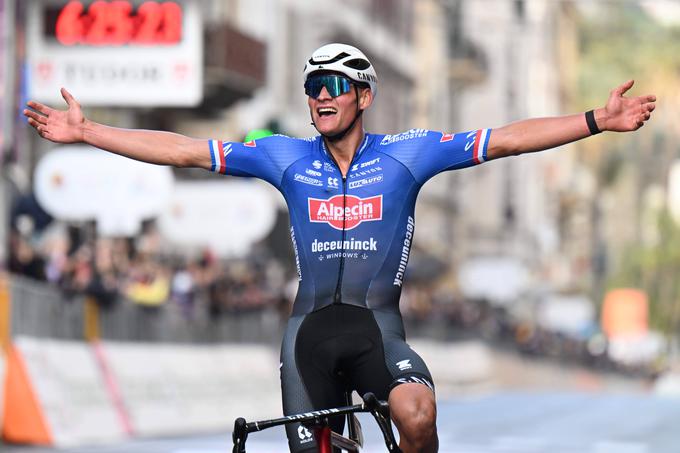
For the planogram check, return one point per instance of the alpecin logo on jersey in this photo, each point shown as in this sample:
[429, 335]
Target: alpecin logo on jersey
[353, 211]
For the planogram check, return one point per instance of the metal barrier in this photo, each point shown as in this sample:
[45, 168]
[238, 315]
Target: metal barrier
[42, 310]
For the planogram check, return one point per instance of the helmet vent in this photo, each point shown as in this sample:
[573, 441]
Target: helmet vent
[338, 57]
[358, 63]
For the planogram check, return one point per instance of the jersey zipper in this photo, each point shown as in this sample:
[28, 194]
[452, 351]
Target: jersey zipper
[337, 299]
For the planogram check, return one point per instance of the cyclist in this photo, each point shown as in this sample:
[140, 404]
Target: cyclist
[351, 198]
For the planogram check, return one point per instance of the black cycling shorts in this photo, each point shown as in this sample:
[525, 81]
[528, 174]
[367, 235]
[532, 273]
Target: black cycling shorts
[341, 348]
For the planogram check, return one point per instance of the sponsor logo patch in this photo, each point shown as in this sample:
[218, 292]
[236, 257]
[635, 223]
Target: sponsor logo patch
[316, 164]
[311, 172]
[404, 365]
[366, 172]
[250, 144]
[304, 434]
[365, 181]
[408, 135]
[350, 244]
[349, 214]
[370, 162]
[446, 138]
[333, 183]
[307, 180]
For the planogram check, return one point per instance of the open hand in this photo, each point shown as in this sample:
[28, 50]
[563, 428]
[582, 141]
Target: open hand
[60, 126]
[623, 114]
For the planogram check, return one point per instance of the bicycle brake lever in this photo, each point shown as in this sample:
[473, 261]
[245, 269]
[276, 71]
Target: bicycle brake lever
[381, 413]
[239, 435]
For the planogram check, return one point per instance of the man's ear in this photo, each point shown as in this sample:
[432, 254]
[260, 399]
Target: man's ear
[365, 98]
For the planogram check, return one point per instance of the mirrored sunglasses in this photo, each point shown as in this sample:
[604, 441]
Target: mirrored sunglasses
[335, 84]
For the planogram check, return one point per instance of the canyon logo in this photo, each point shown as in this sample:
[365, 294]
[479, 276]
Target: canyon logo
[353, 211]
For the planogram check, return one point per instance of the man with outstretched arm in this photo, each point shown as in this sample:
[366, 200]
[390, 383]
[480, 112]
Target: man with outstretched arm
[351, 199]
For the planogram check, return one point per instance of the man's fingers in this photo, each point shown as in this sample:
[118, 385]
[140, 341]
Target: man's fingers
[42, 119]
[649, 107]
[40, 127]
[42, 108]
[70, 100]
[619, 91]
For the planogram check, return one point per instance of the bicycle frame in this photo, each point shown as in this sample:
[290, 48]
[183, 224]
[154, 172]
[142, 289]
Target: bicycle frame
[318, 422]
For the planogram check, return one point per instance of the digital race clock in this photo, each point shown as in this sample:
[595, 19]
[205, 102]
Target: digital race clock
[114, 23]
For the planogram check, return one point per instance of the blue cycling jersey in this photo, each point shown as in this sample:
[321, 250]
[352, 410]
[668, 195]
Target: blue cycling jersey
[351, 236]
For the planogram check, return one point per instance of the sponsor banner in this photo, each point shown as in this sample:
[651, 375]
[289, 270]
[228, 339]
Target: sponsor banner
[62, 382]
[179, 389]
[347, 211]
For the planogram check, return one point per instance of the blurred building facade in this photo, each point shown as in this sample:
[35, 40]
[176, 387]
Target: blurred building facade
[505, 62]
[443, 65]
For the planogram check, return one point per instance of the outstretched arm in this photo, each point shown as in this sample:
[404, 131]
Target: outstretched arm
[621, 114]
[156, 147]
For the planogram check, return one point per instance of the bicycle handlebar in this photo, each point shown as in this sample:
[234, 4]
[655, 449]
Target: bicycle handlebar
[379, 409]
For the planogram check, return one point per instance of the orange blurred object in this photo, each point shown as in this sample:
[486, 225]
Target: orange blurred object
[625, 313]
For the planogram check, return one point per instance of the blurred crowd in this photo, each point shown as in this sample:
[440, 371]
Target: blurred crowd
[142, 271]
[437, 311]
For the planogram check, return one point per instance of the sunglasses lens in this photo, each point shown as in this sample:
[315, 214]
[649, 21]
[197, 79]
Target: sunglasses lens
[336, 85]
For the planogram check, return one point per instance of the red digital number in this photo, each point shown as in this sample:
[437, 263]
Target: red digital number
[150, 20]
[171, 33]
[121, 21]
[69, 27]
[113, 23]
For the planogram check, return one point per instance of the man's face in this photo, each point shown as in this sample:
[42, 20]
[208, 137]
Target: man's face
[332, 115]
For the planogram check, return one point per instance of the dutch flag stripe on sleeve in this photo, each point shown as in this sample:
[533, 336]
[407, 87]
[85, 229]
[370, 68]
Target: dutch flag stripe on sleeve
[217, 157]
[481, 143]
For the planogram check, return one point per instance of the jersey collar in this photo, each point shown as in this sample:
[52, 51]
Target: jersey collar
[361, 149]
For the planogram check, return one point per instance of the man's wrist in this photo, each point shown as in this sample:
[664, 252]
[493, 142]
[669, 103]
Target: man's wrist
[601, 119]
[86, 129]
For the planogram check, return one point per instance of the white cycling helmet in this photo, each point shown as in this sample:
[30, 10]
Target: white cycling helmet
[345, 59]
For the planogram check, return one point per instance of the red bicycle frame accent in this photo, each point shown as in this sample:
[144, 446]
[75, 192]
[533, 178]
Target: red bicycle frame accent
[323, 439]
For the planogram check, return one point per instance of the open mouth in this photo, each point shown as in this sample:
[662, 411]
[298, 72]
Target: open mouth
[326, 111]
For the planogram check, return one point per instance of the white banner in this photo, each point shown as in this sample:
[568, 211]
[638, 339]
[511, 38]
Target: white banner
[68, 385]
[176, 389]
[226, 216]
[104, 59]
[77, 182]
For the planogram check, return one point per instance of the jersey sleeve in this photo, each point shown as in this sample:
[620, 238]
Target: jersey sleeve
[266, 158]
[431, 152]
